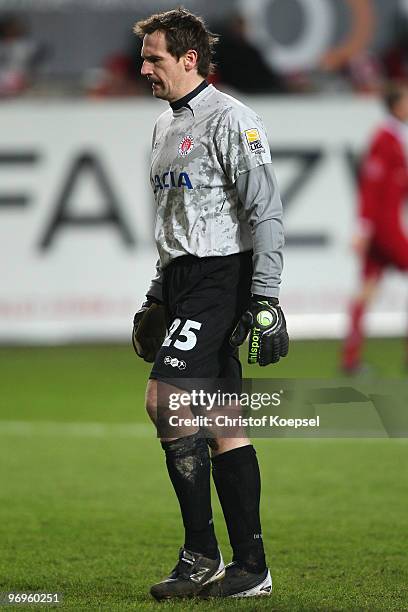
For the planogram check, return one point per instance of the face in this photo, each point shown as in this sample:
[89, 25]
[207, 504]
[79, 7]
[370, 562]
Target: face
[401, 108]
[165, 72]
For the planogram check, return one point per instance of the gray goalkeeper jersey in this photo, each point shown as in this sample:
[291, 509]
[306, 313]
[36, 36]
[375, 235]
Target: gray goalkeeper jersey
[214, 187]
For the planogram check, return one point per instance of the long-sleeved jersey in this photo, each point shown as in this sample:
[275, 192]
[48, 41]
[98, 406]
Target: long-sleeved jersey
[214, 186]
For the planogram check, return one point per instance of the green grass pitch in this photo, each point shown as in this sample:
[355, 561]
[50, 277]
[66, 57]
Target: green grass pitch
[86, 507]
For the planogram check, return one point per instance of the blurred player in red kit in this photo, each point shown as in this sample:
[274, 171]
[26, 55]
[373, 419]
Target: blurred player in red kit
[380, 241]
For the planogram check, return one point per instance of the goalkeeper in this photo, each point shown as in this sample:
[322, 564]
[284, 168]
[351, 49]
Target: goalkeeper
[219, 235]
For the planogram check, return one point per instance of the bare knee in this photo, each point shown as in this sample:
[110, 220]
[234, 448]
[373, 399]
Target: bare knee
[223, 445]
[368, 290]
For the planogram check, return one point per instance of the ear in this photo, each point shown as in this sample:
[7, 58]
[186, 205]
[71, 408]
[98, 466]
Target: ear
[190, 59]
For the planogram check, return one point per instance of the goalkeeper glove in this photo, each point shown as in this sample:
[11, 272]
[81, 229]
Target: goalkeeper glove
[266, 325]
[149, 329]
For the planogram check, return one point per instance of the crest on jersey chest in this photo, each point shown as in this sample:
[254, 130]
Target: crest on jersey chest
[186, 145]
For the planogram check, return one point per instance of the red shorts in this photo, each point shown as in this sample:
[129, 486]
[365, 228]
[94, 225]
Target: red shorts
[381, 255]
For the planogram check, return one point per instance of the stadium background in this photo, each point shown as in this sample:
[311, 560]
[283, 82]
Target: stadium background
[86, 508]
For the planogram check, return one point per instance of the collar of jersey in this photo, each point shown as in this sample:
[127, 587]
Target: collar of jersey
[185, 100]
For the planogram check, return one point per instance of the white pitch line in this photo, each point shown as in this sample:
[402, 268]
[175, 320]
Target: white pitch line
[80, 430]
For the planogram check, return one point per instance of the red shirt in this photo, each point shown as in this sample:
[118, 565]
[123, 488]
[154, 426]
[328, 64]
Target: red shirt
[383, 181]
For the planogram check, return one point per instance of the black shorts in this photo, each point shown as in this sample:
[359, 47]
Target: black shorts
[204, 299]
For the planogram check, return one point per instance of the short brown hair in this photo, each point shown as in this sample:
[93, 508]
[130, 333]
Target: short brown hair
[183, 31]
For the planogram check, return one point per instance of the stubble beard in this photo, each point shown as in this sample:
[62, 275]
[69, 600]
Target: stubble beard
[158, 91]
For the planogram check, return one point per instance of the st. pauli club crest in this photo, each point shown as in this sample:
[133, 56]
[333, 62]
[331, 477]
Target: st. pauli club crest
[186, 145]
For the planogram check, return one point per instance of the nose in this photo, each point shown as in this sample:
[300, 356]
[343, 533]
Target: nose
[146, 68]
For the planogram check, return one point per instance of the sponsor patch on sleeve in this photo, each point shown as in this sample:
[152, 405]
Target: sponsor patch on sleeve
[254, 141]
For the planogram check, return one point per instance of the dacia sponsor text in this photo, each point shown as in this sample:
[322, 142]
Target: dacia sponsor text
[171, 180]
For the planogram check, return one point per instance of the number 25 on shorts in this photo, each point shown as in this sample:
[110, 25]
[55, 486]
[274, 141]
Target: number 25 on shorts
[186, 332]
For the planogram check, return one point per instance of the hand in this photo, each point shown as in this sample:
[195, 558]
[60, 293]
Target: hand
[266, 325]
[149, 329]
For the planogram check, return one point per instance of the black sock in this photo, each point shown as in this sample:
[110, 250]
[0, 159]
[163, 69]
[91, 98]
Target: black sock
[188, 464]
[237, 479]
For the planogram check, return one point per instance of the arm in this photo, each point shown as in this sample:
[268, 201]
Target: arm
[369, 196]
[243, 152]
[263, 320]
[244, 155]
[258, 193]
[371, 180]
[155, 291]
[149, 323]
